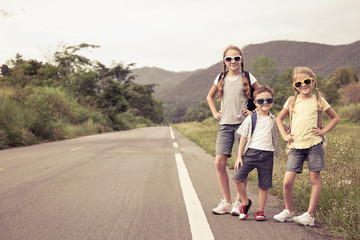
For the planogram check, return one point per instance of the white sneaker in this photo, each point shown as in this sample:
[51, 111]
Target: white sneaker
[305, 219]
[235, 209]
[223, 207]
[285, 215]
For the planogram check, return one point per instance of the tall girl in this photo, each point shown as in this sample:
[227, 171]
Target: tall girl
[304, 141]
[233, 91]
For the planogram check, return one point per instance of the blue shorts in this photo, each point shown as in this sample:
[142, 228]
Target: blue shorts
[225, 139]
[263, 161]
[314, 154]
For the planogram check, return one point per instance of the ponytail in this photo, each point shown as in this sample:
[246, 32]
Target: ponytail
[245, 83]
[318, 98]
[221, 84]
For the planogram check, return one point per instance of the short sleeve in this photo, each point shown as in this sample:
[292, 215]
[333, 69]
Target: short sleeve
[286, 105]
[216, 81]
[325, 105]
[252, 79]
[243, 130]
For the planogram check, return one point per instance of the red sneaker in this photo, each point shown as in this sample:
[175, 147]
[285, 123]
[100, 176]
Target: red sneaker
[259, 216]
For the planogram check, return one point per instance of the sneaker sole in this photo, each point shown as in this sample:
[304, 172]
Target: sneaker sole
[217, 213]
[260, 219]
[304, 224]
[234, 214]
[286, 220]
[244, 218]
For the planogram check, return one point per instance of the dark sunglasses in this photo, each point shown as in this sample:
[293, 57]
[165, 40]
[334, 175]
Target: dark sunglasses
[261, 101]
[229, 59]
[307, 81]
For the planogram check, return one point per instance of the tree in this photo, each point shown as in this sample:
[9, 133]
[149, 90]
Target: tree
[283, 88]
[68, 61]
[350, 94]
[112, 99]
[264, 69]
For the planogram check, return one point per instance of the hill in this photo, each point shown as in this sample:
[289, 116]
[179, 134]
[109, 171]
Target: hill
[161, 78]
[323, 59]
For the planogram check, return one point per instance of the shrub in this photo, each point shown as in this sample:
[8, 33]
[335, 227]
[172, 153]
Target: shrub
[350, 112]
[15, 120]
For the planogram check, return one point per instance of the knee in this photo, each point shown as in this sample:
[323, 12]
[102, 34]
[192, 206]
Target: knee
[288, 185]
[315, 179]
[220, 165]
[237, 182]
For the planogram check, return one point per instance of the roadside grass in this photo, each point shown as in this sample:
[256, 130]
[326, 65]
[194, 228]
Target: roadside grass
[338, 212]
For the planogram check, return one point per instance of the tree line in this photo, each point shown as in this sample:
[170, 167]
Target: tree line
[70, 96]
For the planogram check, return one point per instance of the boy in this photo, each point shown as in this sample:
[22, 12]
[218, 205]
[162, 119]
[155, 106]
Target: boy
[257, 148]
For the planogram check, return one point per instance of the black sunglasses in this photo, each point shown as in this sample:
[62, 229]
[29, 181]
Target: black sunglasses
[229, 59]
[261, 101]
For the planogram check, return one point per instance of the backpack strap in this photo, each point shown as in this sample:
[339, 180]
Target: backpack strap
[251, 104]
[220, 75]
[253, 122]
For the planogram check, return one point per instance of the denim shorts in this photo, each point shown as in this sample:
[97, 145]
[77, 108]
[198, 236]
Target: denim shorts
[225, 139]
[314, 154]
[263, 161]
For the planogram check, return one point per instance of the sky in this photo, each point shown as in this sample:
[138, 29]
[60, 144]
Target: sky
[175, 35]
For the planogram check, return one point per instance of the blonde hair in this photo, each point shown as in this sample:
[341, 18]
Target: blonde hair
[245, 81]
[310, 73]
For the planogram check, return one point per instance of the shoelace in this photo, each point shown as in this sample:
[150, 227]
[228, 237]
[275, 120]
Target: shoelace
[243, 207]
[222, 203]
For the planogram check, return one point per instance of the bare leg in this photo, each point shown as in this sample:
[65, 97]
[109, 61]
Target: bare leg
[315, 179]
[288, 191]
[241, 191]
[223, 178]
[237, 190]
[263, 194]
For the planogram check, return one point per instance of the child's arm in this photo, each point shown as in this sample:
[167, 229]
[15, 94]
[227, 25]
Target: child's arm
[210, 100]
[240, 153]
[279, 121]
[334, 120]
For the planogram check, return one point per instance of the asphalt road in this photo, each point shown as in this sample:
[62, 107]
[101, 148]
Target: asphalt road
[141, 184]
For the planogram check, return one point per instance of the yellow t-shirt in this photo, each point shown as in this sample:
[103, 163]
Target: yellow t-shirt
[304, 117]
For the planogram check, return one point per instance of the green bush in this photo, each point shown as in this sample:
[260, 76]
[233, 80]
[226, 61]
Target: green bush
[15, 121]
[350, 112]
[126, 120]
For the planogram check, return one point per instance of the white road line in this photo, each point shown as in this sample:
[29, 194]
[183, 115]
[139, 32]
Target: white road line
[75, 149]
[199, 225]
[175, 145]
[172, 134]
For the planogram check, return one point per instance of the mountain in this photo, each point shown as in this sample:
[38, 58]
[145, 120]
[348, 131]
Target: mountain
[322, 59]
[161, 78]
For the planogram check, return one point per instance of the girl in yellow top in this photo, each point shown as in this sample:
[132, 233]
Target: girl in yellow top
[304, 141]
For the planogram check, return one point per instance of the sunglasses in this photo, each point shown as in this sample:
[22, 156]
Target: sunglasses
[307, 81]
[229, 59]
[261, 101]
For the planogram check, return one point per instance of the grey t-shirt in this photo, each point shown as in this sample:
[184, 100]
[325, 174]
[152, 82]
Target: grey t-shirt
[233, 100]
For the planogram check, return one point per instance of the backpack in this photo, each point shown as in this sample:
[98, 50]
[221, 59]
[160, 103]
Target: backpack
[251, 105]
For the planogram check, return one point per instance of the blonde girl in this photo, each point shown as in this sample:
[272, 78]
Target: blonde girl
[233, 91]
[304, 141]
